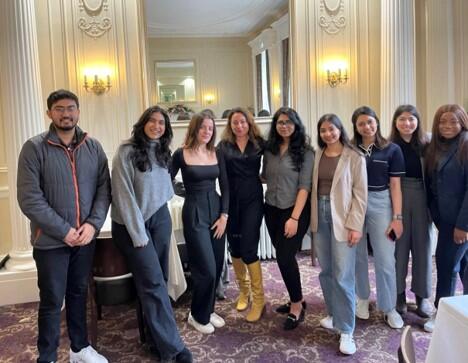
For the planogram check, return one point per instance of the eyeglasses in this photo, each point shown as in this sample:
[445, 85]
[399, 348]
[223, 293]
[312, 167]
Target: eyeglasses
[60, 109]
[287, 123]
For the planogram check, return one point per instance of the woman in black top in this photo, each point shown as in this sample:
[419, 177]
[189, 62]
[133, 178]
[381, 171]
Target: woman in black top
[407, 133]
[242, 149]
[204, 216]
[447, 192]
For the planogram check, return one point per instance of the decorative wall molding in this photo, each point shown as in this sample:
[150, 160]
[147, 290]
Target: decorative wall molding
[93, 25]
[3, 192]
[332, 17]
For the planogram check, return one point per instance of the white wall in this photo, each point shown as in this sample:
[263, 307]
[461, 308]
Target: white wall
[223, 69]
[319, 34]
[5, 232]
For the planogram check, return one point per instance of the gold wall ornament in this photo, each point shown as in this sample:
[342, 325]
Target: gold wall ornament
[332, 17]
[91, 23]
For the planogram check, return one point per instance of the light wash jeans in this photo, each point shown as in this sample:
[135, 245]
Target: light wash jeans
[378, 218]
[337, 261]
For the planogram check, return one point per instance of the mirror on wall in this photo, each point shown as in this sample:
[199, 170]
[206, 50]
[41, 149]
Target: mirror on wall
[175, 81]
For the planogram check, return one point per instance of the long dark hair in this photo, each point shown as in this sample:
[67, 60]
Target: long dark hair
[380, 141]
[335, 121]
[419, 140]
[437, 146]
[141, 143]
[299, 142]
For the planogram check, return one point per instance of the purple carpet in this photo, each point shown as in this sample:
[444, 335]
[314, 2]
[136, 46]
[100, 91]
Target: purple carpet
[239, 341]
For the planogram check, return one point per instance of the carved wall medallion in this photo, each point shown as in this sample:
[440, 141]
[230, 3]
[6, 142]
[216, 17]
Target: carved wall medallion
[93, 22]
[332, 17]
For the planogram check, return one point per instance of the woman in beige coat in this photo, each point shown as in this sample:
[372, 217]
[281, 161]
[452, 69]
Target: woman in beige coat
[339, 199]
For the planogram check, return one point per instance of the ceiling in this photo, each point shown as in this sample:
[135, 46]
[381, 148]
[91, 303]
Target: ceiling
[211, 18]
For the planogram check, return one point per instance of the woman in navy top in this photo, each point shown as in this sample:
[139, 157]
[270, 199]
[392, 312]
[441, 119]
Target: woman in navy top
[407, 133]
[383, 224]
[447, 192]
[242, 149]
[204, 216]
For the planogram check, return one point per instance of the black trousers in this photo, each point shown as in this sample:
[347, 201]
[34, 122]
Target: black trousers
[62, 272]
[449, 257]
[148, 265]
[205, 253]
[286, 248]
[243, 228]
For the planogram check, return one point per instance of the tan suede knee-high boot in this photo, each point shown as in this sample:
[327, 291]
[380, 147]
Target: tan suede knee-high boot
[258, 296]
[243, 281]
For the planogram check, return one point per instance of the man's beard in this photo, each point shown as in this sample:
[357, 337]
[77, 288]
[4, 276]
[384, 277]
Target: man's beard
[69, 127]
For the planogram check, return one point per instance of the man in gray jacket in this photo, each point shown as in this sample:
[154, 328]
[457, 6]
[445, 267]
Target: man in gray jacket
[64, 189]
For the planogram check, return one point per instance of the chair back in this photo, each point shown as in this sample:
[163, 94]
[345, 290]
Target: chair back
[108, 260]
[406, 352]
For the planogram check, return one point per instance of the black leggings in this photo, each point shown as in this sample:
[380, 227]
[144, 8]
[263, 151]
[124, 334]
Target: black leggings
[243, 229]
[286, 248]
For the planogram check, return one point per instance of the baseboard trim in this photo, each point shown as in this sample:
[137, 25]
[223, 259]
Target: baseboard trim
[18, 287]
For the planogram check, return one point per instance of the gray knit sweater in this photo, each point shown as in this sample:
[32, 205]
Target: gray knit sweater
[136, 196]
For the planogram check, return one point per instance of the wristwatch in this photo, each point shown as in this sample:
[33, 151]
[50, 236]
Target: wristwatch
[397, 217]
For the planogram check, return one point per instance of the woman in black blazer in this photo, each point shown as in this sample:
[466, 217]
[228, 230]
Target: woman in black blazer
[447, 188]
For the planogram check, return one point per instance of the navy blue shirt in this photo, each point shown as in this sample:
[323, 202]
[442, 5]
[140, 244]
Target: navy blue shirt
[383, 164]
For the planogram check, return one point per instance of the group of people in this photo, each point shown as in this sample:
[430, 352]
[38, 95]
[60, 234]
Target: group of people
[349, 193]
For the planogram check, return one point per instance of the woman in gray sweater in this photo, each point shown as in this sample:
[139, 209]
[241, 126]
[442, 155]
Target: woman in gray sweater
[141, 224]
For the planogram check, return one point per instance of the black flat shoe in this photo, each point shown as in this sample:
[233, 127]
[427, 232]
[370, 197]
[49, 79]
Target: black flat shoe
[184, 356]
[292, 321]
[286, 308]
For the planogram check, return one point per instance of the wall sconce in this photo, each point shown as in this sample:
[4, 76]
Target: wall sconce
[98, 85]
[334, 78]
[209, 98]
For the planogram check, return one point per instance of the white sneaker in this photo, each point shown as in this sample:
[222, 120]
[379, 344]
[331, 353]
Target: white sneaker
[393, 319]
[429, 325]
[205, 329]
[327, 322]
[362, 309]
[347, 345]
[87, 355]
[217, 321]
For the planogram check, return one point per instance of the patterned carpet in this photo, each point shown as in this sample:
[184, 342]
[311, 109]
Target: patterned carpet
[239, 341]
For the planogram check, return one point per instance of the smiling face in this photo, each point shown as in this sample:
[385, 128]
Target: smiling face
[406, 124]
[329, 133]
[239, 125]
[64, 114]
[366, 126]
[449, 125]
[285, 127]
[205, 133]
[155, 127]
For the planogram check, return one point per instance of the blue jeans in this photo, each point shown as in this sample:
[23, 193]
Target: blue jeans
[337, 261]
[62, 272]
[378, 218]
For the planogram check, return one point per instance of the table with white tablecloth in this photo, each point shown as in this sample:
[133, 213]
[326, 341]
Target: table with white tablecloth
[449, 342]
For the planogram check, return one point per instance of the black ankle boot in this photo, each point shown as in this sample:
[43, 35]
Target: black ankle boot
[401, 303]
[424, 308]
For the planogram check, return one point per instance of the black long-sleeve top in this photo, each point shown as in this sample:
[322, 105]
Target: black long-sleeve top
[202, 178]
[243, 169]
